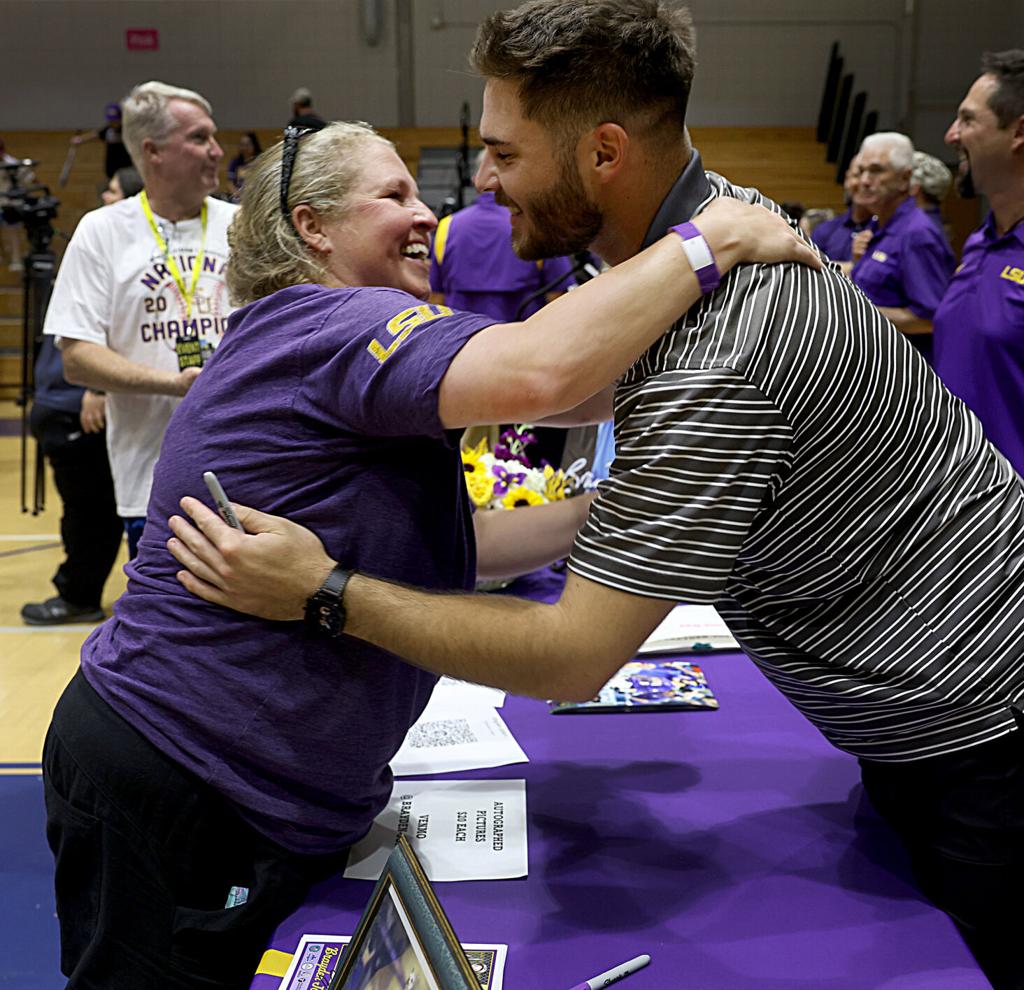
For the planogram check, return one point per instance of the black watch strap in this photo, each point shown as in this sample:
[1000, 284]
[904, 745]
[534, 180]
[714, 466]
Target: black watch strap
[325, 609]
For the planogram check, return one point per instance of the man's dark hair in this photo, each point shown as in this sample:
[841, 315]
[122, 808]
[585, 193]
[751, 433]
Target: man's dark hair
[130, 181]
[579, 63]
[1007, 102]
[302, 98]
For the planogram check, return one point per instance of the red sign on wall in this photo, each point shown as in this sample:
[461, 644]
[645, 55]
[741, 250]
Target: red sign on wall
[141, 39]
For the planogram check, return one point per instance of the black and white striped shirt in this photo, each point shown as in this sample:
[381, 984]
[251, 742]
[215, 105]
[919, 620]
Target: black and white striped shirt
[784, 454]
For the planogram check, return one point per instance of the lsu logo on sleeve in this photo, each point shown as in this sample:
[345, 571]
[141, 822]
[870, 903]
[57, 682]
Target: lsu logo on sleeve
[400, 326]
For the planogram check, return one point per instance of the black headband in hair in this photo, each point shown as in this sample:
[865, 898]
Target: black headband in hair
[292, 136]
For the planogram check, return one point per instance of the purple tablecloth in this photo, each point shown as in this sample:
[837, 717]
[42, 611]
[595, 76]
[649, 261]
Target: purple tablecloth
[733, 846]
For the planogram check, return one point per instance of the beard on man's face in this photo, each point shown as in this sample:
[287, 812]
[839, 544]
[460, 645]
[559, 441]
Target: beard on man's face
[963, 179]
[965, 184]
[562, 219]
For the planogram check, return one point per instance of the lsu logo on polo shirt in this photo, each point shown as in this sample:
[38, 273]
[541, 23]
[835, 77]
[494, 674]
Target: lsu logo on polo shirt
[1012, 274]
[399, 327]
[879, 256]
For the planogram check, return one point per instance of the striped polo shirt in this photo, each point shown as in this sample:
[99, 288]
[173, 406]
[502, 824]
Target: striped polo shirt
[784, 454]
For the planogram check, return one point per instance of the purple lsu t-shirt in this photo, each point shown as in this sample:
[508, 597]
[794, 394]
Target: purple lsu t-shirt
[478, 271]
[979, 336]
[907, 264]
[320, 405]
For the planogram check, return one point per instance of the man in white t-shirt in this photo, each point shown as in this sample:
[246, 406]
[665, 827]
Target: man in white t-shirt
[141, 275]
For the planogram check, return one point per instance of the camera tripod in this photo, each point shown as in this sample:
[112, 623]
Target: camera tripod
[34, 208]
[37, 282]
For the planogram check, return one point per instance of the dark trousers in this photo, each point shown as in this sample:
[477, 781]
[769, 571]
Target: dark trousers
[961, 818]
[133, 527]
[89, 527]
[146, 855]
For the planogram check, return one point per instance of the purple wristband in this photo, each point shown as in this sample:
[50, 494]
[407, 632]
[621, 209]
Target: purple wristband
[698, 253]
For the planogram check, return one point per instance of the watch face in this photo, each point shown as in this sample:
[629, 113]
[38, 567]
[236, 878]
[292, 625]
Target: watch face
[328, 614]
[324, 610]
[327, 618]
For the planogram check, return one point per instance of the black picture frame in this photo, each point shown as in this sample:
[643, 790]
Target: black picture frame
[404, 938]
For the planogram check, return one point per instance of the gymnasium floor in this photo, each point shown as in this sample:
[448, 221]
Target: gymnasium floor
[35, 664]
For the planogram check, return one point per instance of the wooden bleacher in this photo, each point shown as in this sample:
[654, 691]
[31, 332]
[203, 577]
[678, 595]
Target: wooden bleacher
[786, 163]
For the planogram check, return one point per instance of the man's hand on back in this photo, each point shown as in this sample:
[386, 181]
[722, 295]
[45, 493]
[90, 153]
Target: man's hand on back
[268, 571]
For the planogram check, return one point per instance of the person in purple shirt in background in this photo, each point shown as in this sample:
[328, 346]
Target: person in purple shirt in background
[979, 325]
[835, 236]
[900, 261]
[929, 185]
[473, 266]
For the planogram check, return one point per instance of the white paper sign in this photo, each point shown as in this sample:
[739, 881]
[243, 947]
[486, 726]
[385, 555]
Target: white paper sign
[689, 628]
[460, 830]
[453, 741]
[461, 695]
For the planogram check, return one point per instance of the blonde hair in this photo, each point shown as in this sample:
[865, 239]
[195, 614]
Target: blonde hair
[145, 114]
[267, 254]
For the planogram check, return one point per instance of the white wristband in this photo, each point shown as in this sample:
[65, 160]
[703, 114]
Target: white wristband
[698, 253]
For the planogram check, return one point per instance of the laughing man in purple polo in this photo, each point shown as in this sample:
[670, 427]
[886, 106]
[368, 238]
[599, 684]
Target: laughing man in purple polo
[979, 327]
[906, 264]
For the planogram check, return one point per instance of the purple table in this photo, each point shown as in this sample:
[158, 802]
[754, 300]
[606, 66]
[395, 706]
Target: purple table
[733, 846]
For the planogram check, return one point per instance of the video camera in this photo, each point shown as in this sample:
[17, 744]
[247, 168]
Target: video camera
[32, 205]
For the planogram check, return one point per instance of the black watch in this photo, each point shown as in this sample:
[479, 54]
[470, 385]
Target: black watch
[325, 610]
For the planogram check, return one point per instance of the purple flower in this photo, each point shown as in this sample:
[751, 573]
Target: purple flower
[512, 445]
[505, 478]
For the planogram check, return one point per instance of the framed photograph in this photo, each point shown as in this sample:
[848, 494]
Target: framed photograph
[403, 940]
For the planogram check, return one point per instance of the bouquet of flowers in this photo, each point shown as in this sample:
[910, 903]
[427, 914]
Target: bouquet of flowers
[505, 479]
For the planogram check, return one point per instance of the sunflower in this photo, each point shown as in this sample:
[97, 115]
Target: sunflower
[554, 484]
[473, 460]
[520, 495]
[480, 487]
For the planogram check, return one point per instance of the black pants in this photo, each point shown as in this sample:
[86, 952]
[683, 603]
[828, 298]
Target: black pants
[961, 818]
[89, 527]
[146, 855]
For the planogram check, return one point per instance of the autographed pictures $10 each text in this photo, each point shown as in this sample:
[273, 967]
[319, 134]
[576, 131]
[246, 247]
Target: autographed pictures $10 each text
[459, 829]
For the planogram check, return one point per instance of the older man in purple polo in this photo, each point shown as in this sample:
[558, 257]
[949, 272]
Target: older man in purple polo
[906, 263]
[979, 326]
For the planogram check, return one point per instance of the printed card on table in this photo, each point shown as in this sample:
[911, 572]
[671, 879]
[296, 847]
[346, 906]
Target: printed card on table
[649, 685]
[452, 741]
[450, 692]
[459, 829]
[316, 960]
[690, 629]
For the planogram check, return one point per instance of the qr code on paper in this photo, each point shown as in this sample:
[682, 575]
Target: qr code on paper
[443, 732]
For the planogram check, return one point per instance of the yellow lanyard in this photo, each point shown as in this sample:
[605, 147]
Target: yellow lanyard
[187, 294]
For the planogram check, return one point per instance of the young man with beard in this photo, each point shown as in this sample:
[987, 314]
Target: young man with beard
[782, 454]
[979, 325]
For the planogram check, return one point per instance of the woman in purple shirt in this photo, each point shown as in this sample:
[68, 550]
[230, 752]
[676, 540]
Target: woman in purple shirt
[204, 767]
